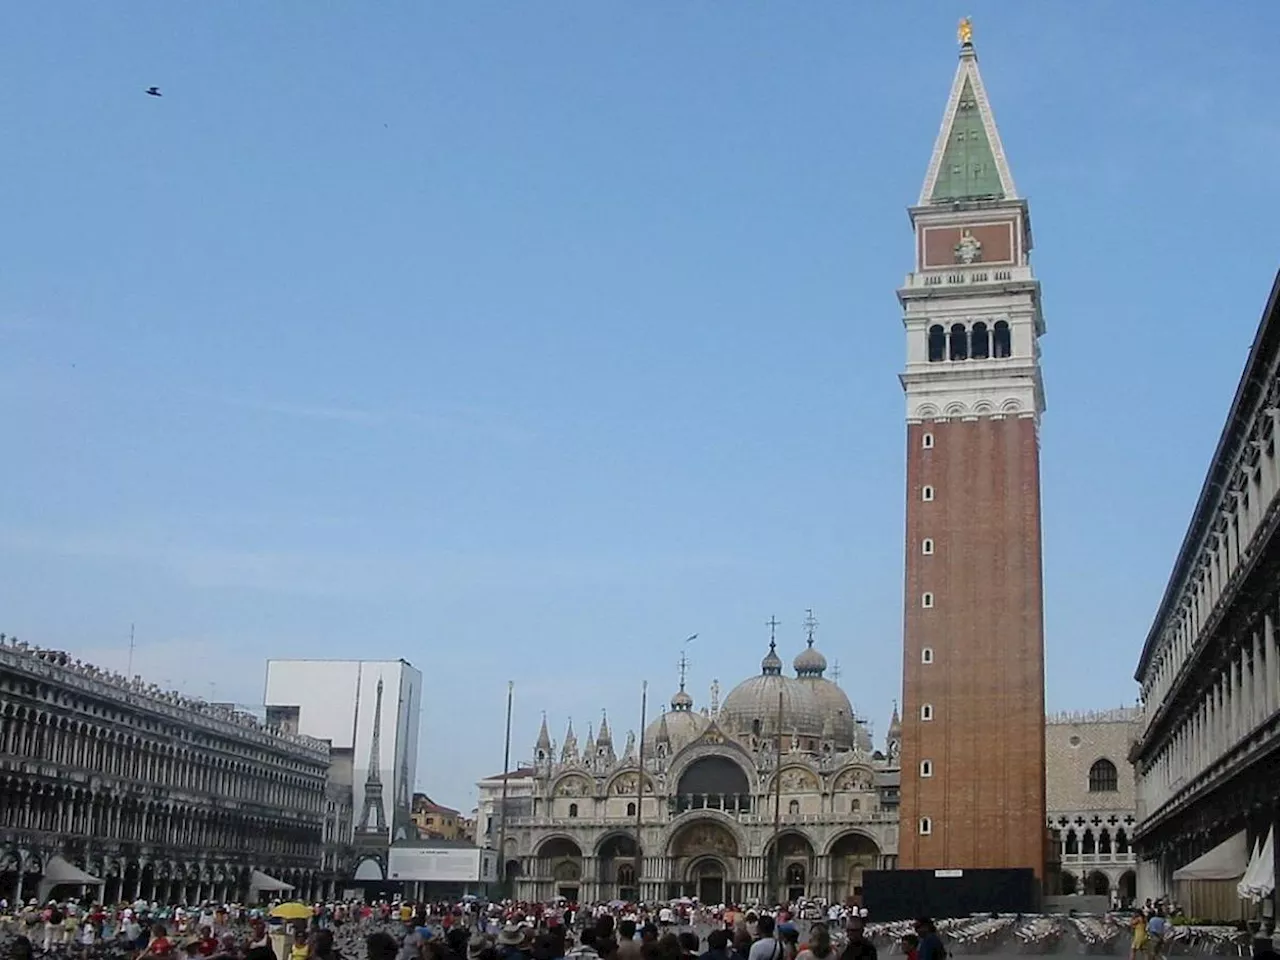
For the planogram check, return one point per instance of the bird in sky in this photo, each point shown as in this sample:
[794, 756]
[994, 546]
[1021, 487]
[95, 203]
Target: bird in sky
[154, 92]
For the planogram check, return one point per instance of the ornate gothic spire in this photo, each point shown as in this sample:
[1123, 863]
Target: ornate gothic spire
[664, 735]
[604, 738]
[570, 750]
[542, 749]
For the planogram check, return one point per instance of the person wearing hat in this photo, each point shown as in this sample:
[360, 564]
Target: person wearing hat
[510, 940]
[479, 947]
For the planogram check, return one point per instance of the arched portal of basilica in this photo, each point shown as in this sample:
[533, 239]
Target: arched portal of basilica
[704, 854]
[739, 802]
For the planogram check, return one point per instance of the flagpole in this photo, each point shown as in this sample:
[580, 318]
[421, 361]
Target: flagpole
[644, 710]
[777, 802]
[506, 771]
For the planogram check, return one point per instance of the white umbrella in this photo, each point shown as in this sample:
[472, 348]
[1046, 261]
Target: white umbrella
[1245, 887]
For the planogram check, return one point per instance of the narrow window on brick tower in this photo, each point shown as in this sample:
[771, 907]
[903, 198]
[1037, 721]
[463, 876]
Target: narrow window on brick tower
[927, 441]
[937, 343]
[1001, 341]
[926, 547]
[926, 711]
[959, 342]
[979, 342]
[926, 768]
[926, 600]
[926, 494]
[926, 826]
[926, 655]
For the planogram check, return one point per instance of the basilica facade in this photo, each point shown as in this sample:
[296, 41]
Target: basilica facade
[775, 793]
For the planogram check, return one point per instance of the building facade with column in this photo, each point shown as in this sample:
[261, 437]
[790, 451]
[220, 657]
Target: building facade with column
[145, 792]
[1208, 754]
[776, 792]
[973, 763]
[1090, 797]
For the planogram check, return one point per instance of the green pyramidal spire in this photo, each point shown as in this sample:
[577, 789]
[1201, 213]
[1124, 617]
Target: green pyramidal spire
[968, 159]
[968, 169]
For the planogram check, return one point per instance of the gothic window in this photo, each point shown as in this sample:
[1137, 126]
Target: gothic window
[1122, 842]
[573, 810]
[1089, 846]
[959, 342]
[793, 807]
[926, 547]
[1073, 843]
[1001, 343]
[1103, 777]
[979, 342]
[626, 875]
[926, 826]
[926, 494]
[937, 343]
[1104, 842]
[926, 711]
[927, 441]
[631, 809]
[926, 768]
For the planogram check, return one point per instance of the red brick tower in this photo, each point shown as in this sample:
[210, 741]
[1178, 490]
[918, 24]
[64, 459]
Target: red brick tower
[973, 767]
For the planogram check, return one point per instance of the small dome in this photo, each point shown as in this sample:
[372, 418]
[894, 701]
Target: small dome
[771, 665]
[810, 663]
[683, 727]
[681, 701]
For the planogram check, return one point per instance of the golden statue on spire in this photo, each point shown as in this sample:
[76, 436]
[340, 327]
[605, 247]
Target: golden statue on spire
[965, 32]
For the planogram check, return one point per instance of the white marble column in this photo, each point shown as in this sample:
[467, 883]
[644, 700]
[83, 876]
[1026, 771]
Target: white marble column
[1258, 686]
[1273, 664]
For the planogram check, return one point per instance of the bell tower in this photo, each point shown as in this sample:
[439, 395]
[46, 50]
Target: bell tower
[973, 765]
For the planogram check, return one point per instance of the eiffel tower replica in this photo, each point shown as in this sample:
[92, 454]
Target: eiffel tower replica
[371, 830]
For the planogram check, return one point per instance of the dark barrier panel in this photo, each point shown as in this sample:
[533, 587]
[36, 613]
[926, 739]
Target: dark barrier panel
[900, 894]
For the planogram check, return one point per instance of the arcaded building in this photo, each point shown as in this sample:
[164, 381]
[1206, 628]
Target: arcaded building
[111, 783]
[732, 802]
[1208, 753]
[973, 764]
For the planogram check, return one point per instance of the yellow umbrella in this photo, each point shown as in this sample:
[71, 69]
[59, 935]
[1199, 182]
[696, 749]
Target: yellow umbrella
[292, 911]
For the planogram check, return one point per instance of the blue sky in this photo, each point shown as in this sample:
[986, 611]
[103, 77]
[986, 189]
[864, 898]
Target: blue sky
[523, 340]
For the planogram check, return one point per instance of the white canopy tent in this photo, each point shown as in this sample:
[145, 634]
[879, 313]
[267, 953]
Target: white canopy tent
[259, 882]
[58, 872]
[1226, 861]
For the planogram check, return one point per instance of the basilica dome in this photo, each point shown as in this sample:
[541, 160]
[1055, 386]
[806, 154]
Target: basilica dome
[751, 708]
[679, 726]
[833, 703]
[809, 662]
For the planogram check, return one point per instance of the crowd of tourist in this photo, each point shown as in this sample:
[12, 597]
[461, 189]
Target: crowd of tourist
[510, 930]
[469, 930]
